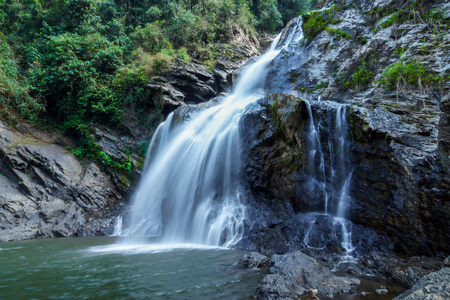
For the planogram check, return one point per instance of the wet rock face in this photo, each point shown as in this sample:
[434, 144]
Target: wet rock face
[46, 192]
[294, 275]
[399, 137]
[400, 185]
[444, 128]
[392, 156]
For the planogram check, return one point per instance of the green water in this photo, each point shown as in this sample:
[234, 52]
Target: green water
[97, 268]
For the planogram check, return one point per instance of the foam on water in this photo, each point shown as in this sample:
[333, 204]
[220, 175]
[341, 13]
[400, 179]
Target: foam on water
[132, 249]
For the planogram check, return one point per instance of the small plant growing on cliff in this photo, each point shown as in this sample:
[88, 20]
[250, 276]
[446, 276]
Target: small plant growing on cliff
[360, 78]
[393, 18]
[400, 75]
[315, 22]
[90, 150]
[339, 33]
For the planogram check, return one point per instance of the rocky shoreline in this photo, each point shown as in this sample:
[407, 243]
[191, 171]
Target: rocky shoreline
[295, 275]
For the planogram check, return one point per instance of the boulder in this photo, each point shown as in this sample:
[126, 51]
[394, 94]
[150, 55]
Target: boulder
[295, 274]
[254, 260]
[433, 286]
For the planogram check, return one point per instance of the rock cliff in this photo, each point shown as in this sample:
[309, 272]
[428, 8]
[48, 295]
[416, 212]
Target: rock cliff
[359, 55]
[47, 192]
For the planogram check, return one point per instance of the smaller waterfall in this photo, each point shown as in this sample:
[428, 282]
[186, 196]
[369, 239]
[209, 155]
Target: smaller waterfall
[329, 170]
[118, 228]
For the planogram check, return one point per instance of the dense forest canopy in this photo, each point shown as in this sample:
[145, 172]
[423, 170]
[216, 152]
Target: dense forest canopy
[67, 63]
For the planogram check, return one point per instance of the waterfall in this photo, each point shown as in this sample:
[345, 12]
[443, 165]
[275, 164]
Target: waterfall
[190, 191]
[329, 169]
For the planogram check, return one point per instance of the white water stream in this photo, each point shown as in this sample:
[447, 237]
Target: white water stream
[190, 190]
[332, 175]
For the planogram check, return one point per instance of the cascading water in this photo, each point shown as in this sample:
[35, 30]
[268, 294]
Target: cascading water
[190, 190]
[329, 171]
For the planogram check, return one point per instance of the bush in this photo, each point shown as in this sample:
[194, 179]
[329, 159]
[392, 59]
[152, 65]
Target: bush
[414, 74]
[150, 38]
[339, 33]
[183, 54]
[317, 21]
[269, 18]
[14, 89]
[74, 75]
[360, 78]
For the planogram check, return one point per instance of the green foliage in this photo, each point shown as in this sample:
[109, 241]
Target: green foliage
[360, 78]
[182, 26]
[316, 21]
[339, 33]
[89, 149]
[73, 75]
[14, 89]
[141, 148]
[400, 51]
[415, 14]
[290, 9]
[268, 16]
[183, 54]
[401, 74]
[150, 38]
[395, 17]
[69, 63]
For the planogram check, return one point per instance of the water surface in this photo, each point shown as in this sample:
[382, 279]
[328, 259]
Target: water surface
[88, 268]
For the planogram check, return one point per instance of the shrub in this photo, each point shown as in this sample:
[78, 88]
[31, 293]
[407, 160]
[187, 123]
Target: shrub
[74, 74]
[401, 74]
[183, 54]
[360, 78]
[316, 21]
[14, 89]
[339, 33]
[150, 38]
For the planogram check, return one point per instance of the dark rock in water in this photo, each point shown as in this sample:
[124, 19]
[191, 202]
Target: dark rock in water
[381, 291]
[398, 187]
[295, 274]
[432, 286]
[254, 260]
